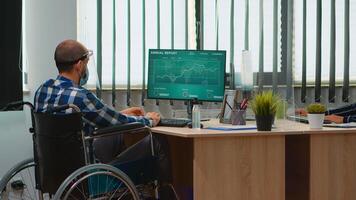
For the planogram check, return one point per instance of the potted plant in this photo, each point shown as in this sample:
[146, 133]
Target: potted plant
[316, 113]
[265, 105]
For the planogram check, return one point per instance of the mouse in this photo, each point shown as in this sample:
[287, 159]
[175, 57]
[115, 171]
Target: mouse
[190, 125]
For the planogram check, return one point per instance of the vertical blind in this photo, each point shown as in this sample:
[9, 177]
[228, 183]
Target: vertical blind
[246, 19]
[139, 28]
[317, 43]
[138, 34]
[323, 46]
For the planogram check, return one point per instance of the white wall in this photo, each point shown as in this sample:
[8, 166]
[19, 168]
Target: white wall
[47, 23]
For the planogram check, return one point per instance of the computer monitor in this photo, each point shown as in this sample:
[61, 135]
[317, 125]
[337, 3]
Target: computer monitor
[186, 75]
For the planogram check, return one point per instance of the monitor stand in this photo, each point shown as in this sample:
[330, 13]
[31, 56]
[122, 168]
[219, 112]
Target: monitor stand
[190, 105]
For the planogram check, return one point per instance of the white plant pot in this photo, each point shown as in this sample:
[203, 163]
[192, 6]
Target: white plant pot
[316, 121]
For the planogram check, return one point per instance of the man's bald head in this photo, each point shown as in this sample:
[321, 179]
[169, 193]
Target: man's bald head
[68, 53]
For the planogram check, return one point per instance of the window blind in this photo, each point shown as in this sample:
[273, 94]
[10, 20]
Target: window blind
[323, 46]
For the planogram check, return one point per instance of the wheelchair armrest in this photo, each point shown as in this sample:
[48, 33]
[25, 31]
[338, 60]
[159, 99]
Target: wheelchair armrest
[120, 129]
[16, 105]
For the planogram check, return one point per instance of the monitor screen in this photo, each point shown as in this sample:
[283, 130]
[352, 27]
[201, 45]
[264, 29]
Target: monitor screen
[186, 74]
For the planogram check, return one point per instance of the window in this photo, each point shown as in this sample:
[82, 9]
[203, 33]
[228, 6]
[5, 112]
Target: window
[87, 33]
[223, 13]
[212, 10]
[325, 41]
[87, 26]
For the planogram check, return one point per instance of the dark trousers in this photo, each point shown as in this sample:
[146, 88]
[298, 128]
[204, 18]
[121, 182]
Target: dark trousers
[111, 148]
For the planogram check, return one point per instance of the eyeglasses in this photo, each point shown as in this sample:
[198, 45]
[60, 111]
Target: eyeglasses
[86, 55]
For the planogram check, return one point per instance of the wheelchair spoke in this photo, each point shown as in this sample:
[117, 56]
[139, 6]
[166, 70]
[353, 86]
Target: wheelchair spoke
[97, 185]
[118, 187]
[111, 182]
[27, 196]
[13, 196]
[27, 180]
[123, 194]
[113, 193]
[107, 178]
[73, 197]
[82, 187]
[31, 180]
[81, 191]
[91, 186]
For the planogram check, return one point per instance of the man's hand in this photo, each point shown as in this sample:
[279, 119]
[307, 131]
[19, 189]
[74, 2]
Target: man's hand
[134, 111]
[154, 117]
[335, 118]
[301, 112]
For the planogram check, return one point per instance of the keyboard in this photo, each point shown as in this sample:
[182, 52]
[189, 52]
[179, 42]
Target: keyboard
[174, 122]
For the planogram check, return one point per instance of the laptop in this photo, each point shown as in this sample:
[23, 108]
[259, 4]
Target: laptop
[304, 119]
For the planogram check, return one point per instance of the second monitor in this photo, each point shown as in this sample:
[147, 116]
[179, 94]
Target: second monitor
[186, 75]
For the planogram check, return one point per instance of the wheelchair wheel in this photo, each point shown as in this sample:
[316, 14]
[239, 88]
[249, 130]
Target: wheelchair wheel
[97, 181]
[19, 182]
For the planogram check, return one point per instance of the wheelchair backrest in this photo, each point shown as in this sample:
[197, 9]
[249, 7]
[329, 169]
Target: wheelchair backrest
[58, 148]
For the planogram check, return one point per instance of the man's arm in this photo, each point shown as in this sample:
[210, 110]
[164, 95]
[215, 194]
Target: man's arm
[102, 115]
[341, 119]
[133, 111]
[343, 111]
[350, 118]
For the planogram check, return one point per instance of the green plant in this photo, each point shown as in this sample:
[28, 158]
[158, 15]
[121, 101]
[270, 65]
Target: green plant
[316, 108]
[265, 103]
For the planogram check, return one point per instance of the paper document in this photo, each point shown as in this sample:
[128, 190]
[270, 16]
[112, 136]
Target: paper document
[232, 127]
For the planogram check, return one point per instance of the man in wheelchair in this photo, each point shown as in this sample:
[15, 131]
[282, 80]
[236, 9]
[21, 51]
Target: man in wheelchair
[71, 59]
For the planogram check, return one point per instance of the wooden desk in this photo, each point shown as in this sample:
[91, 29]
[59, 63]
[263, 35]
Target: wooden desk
[333, 166]
[321, 164]
[229, 164]
[289, 162]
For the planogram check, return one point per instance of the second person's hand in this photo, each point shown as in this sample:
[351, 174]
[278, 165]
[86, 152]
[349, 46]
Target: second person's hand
[301, 112]
[335, 118]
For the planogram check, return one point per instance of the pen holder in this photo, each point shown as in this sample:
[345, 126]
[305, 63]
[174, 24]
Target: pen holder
[238, 117]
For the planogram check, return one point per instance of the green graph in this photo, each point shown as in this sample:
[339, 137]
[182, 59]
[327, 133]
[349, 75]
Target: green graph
[184, 72]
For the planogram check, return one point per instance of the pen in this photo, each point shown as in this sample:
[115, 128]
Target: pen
[243, 104]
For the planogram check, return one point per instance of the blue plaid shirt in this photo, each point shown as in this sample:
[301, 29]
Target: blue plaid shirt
[96, 114]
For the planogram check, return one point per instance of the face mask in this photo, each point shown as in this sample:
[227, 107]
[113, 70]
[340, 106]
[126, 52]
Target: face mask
[84, 78]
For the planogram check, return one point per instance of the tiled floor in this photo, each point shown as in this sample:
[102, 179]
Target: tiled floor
[20, 195]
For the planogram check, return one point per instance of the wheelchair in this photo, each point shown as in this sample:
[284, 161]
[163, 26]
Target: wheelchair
[64, 165]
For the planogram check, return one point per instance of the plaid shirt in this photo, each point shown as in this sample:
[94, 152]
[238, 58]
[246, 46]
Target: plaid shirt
[95, 113]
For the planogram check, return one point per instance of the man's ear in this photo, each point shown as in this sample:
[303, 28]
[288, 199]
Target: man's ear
[77, 66]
